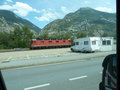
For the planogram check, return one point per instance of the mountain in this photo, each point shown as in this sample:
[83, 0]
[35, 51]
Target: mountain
[85, 20]
[9, 20]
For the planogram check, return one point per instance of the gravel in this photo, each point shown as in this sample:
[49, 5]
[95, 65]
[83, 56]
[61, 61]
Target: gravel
[45, 56]
[6, 56]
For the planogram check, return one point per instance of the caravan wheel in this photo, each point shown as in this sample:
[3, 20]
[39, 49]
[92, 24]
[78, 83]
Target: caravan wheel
[72, 50]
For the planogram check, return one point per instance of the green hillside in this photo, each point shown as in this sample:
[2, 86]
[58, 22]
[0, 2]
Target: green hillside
[9, 20]
[86, 21]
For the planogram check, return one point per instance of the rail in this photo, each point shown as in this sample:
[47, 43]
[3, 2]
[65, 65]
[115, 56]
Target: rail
[15, 49]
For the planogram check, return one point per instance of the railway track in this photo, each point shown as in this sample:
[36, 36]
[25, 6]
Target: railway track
[13, 50]
[26, 49]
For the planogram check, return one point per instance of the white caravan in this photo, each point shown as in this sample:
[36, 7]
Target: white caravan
[92, 44]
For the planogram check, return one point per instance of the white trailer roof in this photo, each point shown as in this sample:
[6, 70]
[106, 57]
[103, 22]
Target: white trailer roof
[94, 38]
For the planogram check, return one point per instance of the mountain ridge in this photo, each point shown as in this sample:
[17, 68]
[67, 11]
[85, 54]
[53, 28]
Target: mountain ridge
[87, 20]
[9, 20]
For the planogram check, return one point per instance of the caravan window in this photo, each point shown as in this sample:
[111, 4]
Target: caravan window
[76, 43]
[114, 42]
[93, 42]
[106, 42]
[85, 42]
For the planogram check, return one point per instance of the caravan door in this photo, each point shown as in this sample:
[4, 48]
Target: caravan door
[95, 44]
[75, 46]
[78, 45]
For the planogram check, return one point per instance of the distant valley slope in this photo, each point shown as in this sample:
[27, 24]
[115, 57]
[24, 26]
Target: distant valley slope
[9, 20]
[86, 20]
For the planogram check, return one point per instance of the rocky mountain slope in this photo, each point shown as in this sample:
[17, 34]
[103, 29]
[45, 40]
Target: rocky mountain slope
[86, 20]
[9, 20]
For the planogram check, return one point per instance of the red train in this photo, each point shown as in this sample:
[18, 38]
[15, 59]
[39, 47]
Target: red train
[40, 44]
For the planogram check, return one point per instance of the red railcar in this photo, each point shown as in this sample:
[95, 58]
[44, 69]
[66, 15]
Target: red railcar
[39, 44]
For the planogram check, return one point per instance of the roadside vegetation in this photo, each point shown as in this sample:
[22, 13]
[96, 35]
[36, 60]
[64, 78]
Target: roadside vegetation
[19, 38]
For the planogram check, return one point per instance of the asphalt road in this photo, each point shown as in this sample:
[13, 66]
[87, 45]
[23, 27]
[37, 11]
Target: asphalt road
[79, 75]
[38, 60]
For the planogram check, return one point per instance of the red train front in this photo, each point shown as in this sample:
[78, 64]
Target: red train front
[39, 44]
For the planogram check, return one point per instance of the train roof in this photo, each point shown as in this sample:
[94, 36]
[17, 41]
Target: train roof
[50, 39]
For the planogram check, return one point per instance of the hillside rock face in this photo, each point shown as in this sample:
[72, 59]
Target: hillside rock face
[9, 20]
[87, 20]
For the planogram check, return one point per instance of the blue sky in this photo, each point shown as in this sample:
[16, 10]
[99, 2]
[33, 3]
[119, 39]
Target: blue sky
[42, 12]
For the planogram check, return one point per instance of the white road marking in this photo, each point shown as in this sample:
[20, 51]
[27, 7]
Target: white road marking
[100, 72]
[75, 78]
[9, 58]
[28, 57]
[38, 86]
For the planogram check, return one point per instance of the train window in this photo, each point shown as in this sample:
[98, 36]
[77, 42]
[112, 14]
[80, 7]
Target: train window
[64, 41]
[41, 41]
[57, 41]
[50, 41]
[33, 41]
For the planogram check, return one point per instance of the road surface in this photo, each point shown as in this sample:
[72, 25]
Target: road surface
[48, 59]
[77, 75]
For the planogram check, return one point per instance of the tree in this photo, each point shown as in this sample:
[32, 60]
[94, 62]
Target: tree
[20, 37]
[44, 35]
[26, 33]
[4, 40]
[81, 34]
[105, 35]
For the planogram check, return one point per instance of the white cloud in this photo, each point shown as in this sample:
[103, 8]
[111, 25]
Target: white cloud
[48, 14]
[23, 9]
[86, 2]
[42, 18]
[9, 0]
[20, 8]
[104, 9]
[109, 3]
[65, 10]
[6, 7]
